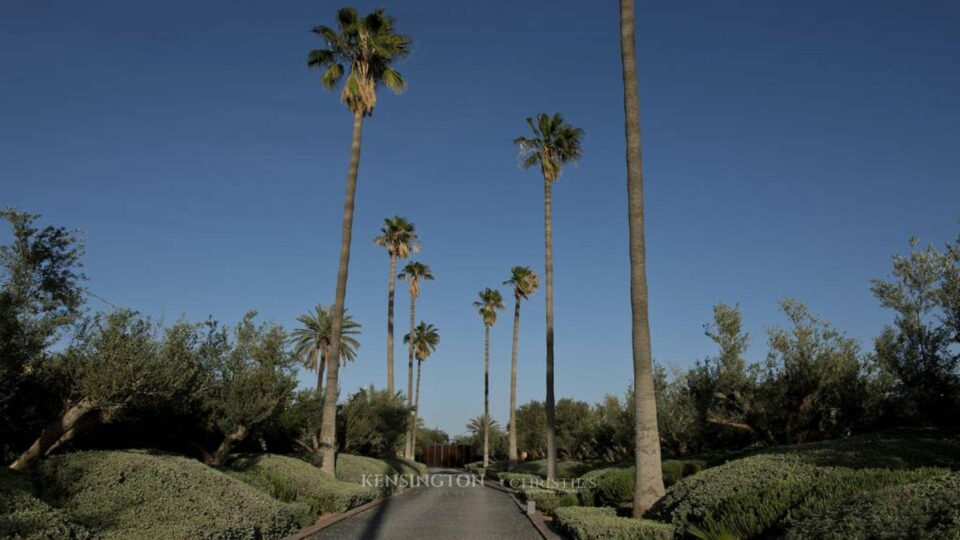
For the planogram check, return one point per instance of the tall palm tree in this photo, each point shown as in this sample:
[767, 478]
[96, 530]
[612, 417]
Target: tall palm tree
[312, 340]
[649, 478]
[425, 340]
[399, 236]
[552, 144]
[490, 302]
[524, 282]
[366, 46]
[414, 273]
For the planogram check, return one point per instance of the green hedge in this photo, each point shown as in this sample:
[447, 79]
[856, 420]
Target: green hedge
[24, 516]
[134, 495]
[548, 500]
[614, 486]
[581, 523]
[516, 481]
[928, 509]
[352, 469]
[676, 469]
[293, 480]
[762, 495]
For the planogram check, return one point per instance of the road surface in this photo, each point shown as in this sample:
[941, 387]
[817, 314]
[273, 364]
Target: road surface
[447, 505]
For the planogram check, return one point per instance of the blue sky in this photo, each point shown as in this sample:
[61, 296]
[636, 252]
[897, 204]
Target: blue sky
[791, 149]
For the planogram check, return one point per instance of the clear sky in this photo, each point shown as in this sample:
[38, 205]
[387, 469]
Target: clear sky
[791, 148]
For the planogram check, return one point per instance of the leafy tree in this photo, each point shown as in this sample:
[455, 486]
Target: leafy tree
[524, 282]
[399, 237]
[431, 436]
[374, 421]
[312, 340]
[251, 378]
[614, 428]
[920, 349]
[364, 48]
[531, 421]
[424, 341]
[490, 302]
[553, 143]
[414, 273]
[114, 364]
[576, 429]
[40, 295]
[300, 421]
[648, 487]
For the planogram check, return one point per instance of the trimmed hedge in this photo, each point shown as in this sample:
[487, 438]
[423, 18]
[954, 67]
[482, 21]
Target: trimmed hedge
[133, 495]
[582, 523]
[676, 469]
[614, 486]
[352, 469]
[293, 480]
[928, 509]
[763, 495]
[24, 516]
[548, 500]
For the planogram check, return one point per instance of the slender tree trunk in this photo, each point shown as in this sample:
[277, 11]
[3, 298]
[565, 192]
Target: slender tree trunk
[328, 427]
[548, 272]
[98, 417]
[416, 414]
[321, 367]
[407, 447]
[219, 456]
[391, 289]
[71, 420]
[649, 477]
[513, 383]
[486, 396]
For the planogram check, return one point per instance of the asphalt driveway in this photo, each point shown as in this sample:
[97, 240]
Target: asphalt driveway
[449, 505]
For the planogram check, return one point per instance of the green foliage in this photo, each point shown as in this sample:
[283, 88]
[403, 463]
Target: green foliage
[132, 495]
[765, 494]
[498, 439]
[294, 480]
[24, 516]
[927, 509]
[251, 376]
[532, 429]
[373, 422]
[553, 142]
[548, 500]
[351, 468]
[919, 351]
[582, 523]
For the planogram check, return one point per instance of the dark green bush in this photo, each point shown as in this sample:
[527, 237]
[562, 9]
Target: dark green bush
[296, 480]
[548, 500]
[675, 469]
[763, 495]
[608, 487]
[131, 495]
[582, 523]
[353, 469]
[928, 509]
[24, 516]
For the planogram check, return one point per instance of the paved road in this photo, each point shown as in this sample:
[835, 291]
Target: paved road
[440, 509]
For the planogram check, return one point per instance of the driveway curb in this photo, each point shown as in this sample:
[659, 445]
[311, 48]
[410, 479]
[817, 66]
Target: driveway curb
[537, 519]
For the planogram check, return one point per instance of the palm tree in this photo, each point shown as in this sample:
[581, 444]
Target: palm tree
[490, 302]
[554, 143]
[649, 478]
[367, 46]
[524, 282]
[413, 273]
[425, 341]
[399, 236]
[312, 340]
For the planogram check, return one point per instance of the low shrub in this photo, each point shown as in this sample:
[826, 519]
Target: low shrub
[132, 495]
[548, 500]
[928, 509]
[764, 494]
[614, 486]
[408, 467]
[24, 516]
[582, 523]
[353, 469]
[293, 480]
[516, 481]
[676, 469]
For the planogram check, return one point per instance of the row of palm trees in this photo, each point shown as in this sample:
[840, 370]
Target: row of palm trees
[524, 282]
[360, 52]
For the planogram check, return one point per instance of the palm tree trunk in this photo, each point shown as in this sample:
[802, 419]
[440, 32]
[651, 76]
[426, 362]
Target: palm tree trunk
[328, 427]
[390, 295]
[649, 479]
[321, 366]
[407, 445]
[486, 396]
[513, 384]
[549, 405]
[416, 414]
